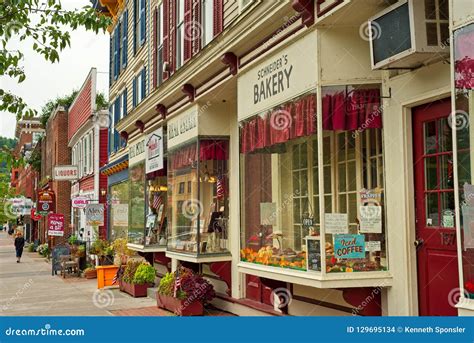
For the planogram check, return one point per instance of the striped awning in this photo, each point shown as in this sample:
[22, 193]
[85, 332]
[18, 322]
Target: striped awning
[115, 166]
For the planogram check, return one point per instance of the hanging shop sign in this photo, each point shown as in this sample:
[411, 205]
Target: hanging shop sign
[154, 151]
[120, 215]
[95, 214]
[45, 203]
[80, 202]
[65, 173]
[34, 215]
[136, 152]
[283, 75]
[336, 223]
[183, 127]
[56, 224]
[349, 246]
[20, 206]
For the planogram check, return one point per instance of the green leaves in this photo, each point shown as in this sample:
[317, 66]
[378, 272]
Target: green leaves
[47, 25]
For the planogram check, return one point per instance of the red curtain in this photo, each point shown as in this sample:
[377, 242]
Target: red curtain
[208, 150]
[290, 121]
[358, 110]
[464, 63]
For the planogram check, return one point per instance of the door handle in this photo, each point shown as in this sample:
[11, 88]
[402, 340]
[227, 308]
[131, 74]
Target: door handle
[418, 243]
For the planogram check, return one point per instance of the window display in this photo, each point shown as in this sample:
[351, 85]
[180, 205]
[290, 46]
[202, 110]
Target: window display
[198, 197]
[119, 210]
[464, 102]
[156, 222]
[136, 232]
[287, 178]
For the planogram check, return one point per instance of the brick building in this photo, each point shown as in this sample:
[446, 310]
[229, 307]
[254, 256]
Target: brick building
[55, 152]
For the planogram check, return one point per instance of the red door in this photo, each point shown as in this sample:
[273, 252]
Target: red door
[434, 201]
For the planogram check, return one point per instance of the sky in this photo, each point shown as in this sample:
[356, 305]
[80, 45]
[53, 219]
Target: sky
[45, 81]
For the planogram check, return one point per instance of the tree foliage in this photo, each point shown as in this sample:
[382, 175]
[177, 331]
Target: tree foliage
[51, 105]
[47, 25]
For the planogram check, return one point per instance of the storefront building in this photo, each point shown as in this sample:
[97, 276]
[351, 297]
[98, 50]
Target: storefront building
[88, 133]
[303, 153]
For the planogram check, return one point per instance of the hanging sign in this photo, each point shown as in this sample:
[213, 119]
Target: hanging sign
[336, 223]
[349, 246]
[34, 215]
[313, 254]
[154, 151]
[79, 202]
[95, 214]
[65, 173]
[55, 224]
[45, 203]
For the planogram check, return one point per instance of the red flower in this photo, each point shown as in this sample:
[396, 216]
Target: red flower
[469, 286]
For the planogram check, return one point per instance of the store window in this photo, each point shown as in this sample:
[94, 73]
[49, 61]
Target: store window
[119, 210]
[156, 222]
[136, 229]
[287, 178]
[464, 102]
[198, 197]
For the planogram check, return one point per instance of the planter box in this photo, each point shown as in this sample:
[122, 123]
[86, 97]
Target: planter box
[180, 307]
[134, 290]
[91, 274]
[105, 275]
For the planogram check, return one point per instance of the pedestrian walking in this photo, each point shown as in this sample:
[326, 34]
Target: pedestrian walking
[19, 244]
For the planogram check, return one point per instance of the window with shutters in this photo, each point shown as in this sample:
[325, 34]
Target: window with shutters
[124, 41]
[140, 22]
[179, 33]
[117, 45]
[111, 129]
[139, 87]
[207, 21]
[159, 45]
[91, 152]
[124, 112]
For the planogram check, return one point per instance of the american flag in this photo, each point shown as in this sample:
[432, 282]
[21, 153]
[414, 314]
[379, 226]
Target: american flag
[220, 187]
[157, 200]
[117, 276]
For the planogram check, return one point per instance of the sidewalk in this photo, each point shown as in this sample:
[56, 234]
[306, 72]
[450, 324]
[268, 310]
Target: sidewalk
[28, 289]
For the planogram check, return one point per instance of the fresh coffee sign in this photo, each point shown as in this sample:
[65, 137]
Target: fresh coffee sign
[285, 74]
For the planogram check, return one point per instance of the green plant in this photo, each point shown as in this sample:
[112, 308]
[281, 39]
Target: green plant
[120, 247]
[31, 248]
[43, 250]
[99, 247]
[130, 269]
[166, 286]
[73, 240]
[145, 273]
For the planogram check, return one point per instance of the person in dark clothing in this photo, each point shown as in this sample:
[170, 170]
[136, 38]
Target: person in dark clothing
[19, 244]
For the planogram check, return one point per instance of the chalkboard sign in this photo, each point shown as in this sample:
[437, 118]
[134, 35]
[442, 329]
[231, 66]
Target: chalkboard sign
[313, 254]
[58, 250]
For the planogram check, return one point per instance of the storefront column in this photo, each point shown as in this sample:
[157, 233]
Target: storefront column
[174, 265]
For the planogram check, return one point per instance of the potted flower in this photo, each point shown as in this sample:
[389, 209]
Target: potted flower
[122, 252]
[90, 272]
[184, 293]
[137, 277]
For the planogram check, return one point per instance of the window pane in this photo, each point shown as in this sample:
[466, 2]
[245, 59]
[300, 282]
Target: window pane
[432, 209]
[431, 177]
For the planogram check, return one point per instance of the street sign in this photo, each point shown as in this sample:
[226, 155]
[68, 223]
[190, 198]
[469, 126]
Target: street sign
[56, 224]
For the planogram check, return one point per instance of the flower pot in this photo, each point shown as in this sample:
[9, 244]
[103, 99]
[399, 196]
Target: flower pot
[180, 307]
[134, 290]
[90, 274]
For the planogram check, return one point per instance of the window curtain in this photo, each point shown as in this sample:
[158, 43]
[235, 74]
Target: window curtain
[290, 121]
[464, 59]
[357, 110]
[208, 150]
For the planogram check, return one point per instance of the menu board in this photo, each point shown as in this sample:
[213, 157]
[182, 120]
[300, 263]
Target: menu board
[313, 254]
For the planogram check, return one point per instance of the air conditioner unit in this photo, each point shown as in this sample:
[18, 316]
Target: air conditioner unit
[409, 34]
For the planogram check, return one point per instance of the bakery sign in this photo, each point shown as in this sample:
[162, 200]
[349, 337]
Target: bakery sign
[65, 173]
[285, 74]
[154, 151]
[45, 203]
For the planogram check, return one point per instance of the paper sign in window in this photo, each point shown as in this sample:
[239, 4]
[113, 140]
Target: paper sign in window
[336, 223]
[370, 219]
